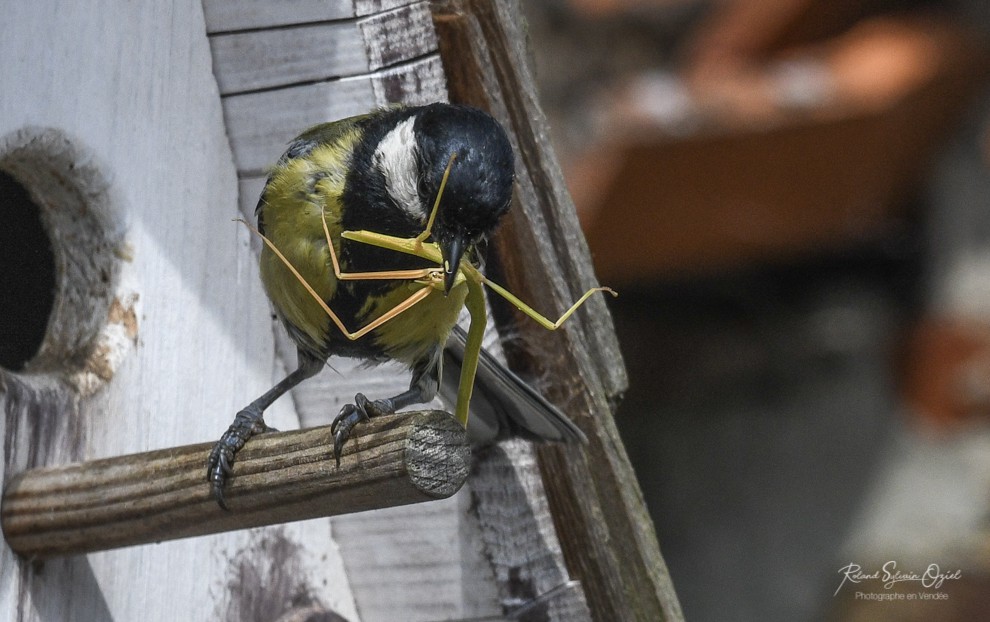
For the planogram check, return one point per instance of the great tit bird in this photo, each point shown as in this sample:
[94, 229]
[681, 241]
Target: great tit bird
[382, 172]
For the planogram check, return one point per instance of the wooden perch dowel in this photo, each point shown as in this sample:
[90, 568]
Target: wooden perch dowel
[278, 477]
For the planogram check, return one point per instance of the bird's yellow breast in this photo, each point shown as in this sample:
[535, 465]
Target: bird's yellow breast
[407, 337]
[299, 194]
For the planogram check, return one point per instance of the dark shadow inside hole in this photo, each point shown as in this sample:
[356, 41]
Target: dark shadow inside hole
[27, 275]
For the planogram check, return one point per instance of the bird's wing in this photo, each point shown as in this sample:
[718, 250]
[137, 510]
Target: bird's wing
[301, 197]
[302, 145]
[502, 405]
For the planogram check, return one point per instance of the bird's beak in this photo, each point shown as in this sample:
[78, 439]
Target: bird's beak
[452, 251]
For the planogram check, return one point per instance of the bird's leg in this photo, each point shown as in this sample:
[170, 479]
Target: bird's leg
[422, 388]
[248, 422]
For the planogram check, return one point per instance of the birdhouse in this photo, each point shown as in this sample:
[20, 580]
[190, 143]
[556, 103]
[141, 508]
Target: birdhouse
[134, 325]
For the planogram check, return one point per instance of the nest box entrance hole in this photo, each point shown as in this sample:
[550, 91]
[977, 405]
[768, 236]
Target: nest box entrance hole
[27, 275]
[61, 239]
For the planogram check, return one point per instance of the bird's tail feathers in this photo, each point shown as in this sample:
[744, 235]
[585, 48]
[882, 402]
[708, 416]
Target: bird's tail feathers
[503, 405]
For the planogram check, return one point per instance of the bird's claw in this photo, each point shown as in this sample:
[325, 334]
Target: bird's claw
[351, 415]
[220, 464]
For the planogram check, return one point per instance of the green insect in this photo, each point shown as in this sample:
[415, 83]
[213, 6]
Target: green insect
[412, 191]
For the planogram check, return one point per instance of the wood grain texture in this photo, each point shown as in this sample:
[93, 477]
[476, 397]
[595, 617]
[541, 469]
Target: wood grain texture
[261, 124]
[228, 15]
[601, 519]
[275, 57]
[519, 535]
[279, 477]
[130, 86]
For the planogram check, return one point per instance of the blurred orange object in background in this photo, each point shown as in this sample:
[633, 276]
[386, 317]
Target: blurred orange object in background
[788, 150]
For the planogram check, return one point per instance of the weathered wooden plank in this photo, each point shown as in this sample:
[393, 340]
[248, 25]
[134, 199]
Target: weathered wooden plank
[129, 85]
[260, 125]
[278, 477]
[605, 530]
[429, 557]
[228, 15]
[263, 59]
[517, 530]
[250, 191]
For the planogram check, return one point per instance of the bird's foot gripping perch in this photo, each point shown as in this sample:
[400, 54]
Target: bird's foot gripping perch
[220, 463]
[352, 414]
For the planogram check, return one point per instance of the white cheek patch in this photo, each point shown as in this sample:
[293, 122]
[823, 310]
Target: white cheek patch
[395, 157]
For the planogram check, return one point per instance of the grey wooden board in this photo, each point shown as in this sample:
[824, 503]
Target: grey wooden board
[263, 59]
[249, 191]
[260, 125]
[227, 15]
[519, 536]
[419, 563]
[131, 84]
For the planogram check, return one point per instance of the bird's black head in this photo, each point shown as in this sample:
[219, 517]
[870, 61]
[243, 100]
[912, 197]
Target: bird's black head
[479, 185]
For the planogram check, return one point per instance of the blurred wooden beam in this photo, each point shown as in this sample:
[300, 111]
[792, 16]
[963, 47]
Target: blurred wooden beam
[602, 523]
